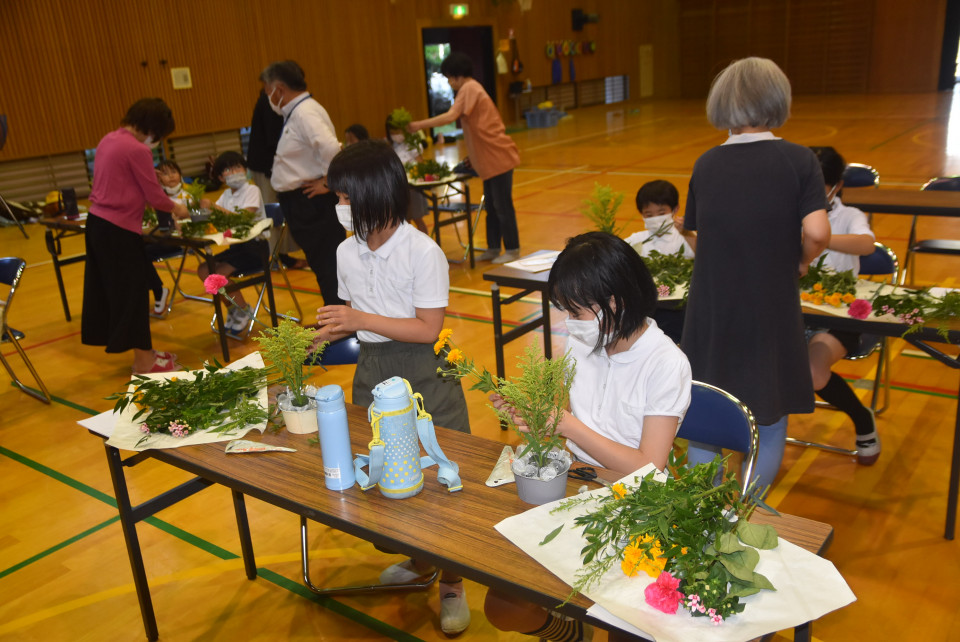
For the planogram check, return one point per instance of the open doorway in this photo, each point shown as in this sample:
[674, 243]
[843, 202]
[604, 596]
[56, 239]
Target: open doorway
[438, 42]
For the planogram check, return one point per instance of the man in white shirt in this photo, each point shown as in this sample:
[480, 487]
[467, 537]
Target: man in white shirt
[307, 145]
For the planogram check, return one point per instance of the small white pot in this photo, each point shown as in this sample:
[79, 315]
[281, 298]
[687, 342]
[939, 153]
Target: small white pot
[302, 420]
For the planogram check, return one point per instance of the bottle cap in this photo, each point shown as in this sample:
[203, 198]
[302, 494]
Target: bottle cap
[329, 398]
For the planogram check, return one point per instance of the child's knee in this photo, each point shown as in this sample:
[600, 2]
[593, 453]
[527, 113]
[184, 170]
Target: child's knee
[509, 614]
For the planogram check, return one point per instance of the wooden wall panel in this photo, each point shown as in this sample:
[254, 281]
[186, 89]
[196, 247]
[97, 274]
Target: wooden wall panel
[908, 36]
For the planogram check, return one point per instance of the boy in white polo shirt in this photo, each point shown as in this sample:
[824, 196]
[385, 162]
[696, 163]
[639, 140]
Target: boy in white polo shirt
[240, 194]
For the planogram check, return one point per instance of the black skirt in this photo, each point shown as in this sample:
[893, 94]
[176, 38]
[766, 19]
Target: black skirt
[116, 300]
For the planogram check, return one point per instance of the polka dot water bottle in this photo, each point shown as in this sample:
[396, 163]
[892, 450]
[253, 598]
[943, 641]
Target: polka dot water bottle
[334, 438]
[394, 408]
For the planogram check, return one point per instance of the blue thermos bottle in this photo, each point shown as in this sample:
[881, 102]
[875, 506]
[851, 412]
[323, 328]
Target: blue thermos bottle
[334, 438]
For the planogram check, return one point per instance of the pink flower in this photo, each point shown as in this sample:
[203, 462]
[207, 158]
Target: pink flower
[144, 428]
[860, 309]
[663, 290]
[717, 620]
[214, 282]
[663, 594]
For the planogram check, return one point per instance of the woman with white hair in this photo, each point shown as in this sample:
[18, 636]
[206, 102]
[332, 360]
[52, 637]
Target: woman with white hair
[758, 206]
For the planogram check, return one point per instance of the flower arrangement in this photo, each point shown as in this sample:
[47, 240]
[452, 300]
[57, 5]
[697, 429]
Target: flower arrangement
[601, 208]
[537, 397]
[237, 223]
[692, 537]
[399, 119]
[916, 307]
[823, 285]
[288, 347]
[214, 399]
[669, 271]
[428, 170]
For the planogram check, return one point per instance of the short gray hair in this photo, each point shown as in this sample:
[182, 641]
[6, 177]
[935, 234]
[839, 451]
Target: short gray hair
[752, 92]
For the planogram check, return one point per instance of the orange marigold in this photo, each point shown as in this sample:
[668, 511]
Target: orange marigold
[636, 559]
[442, 340]
[818, 287]
[833, 299]
[848, 298]
[455, 356]
[619, 490]
[805, 296]
[818, 299]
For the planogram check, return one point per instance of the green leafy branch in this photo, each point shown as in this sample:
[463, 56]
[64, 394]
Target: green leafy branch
[601, 208]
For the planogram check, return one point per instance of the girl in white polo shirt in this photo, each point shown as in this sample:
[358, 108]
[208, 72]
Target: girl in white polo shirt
[630, 390]
[395, 283]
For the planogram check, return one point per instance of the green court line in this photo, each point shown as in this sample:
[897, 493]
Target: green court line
[65, 402]
[57, 547]
[209, 547]
[337, 607]
[906, 131]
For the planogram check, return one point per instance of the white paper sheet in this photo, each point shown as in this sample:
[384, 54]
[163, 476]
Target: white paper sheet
[539, 261]
[126, 434]
[807, 586]
[256, 230]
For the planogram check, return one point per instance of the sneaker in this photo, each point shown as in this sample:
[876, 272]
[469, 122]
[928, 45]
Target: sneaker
[160, 365]
[160, 306]
[403, 573]
[454, 610]
[489, 255]
[240, 320]
[172, 356]
[868, 449]
[506, 257]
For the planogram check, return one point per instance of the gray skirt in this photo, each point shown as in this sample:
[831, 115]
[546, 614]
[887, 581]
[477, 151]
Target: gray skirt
[442, 396]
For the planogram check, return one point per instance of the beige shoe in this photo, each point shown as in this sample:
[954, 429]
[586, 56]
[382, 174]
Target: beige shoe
[489, 255]
[454, 610]
[506, 257]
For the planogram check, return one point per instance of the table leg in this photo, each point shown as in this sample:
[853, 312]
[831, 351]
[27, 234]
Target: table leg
[466, 197]
[221, 329]
[268, 284]
[54, 248]
[950, 529]
[497, 328]
[246, 542]
[435, 206]
[129, 528]
[801, 632]
[547, 342]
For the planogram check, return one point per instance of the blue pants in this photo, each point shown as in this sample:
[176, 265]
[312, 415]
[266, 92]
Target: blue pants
[773, 438]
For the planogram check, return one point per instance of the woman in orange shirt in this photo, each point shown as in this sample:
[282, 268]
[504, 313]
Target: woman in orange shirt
[492, 153]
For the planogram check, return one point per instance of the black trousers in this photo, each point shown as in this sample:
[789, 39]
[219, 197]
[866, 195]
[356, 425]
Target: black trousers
[116, 299]
[314, 226]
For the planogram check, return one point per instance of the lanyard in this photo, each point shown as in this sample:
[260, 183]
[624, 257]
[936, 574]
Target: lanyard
[293, 109]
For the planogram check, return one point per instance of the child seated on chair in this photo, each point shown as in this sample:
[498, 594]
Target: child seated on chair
[658, 202]
[231, 168]
[851, 238]
[171, 179]
[409, 153]
[630, 391]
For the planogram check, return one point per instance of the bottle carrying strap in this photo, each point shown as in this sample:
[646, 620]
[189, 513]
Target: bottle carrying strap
[374, 459]
[448, 472]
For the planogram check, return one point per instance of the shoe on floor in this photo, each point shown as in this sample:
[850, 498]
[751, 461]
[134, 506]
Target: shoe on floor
[160, 365]
[238, 320]
[506, 257]
[161, 304]
[489, 255]
[403, 573]
[868, 449]
[454, 610]
[172, 356]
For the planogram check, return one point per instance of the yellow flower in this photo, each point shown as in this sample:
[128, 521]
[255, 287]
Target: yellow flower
[442, 340]
[636, 559]
[818, 287]
[619, 491]
[848, 298]
[455, 356]
[833, 299]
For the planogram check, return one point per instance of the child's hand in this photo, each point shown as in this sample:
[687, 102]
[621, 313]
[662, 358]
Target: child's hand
[180, 211]
[414, 127]
[205, 203]
[501, 404]
[339, 319]
[678, 221]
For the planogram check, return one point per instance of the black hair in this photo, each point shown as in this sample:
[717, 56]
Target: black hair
[457, 65]
[169, 164]
[600, 269]
[150, 116]
[831, 163]
[359, 131]
[371, 175]
[658, 193]
[226, 160]
[388, 126]
[288, 72]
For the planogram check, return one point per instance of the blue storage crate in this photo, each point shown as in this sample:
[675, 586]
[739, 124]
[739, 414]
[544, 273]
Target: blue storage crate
[539, 118]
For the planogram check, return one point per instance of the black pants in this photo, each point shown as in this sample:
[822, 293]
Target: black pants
[501, 217]
[314, 226]
[116, 300]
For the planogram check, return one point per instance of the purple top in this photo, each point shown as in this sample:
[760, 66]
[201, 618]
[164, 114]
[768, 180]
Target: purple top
[124, 181]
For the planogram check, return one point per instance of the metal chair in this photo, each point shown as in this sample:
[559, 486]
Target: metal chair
[717, 418]
[860, 175]
[11, 269]
[949, 247]
[883, 262]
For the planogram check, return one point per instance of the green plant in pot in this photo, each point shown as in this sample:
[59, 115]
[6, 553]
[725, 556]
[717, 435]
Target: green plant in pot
[288, 349]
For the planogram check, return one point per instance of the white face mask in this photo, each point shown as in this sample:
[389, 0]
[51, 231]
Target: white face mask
[397, 138]
[276, 108]
[654, 223]
[236, 181]
[587, 331]
[149, 142]
[345, 216]
[172, 191]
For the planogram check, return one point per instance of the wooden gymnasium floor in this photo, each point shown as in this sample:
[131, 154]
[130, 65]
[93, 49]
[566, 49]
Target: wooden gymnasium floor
[63, 569]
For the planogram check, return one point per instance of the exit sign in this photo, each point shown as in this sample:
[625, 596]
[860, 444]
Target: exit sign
[459, 10]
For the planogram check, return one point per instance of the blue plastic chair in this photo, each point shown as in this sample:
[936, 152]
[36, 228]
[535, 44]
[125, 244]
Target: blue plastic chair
[949, 247]
[717, 418]
[11, 269]
[340, 352]
[860, 175]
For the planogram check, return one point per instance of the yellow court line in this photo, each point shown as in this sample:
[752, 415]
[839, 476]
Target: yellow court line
[549, 176]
